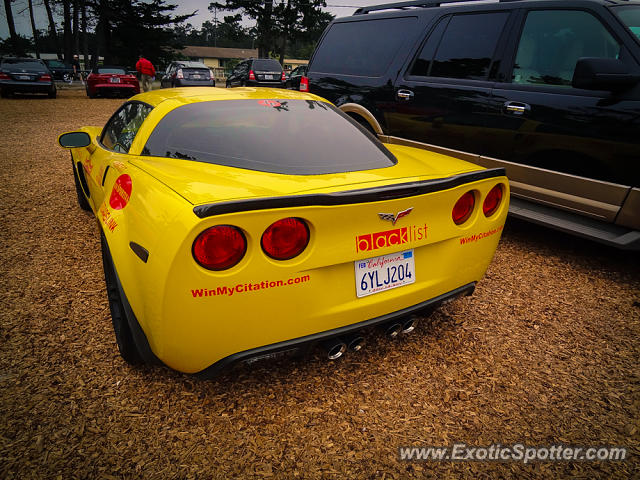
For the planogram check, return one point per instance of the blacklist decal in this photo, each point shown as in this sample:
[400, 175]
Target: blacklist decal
[390, 238]
[121, 192]
[480, 236]
[105, 217]
[269, 103]
[229, 290]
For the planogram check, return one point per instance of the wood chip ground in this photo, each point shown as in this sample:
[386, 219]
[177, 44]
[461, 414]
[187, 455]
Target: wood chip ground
[546, 351]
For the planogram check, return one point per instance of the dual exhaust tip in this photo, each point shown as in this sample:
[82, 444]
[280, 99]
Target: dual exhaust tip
[336, 347]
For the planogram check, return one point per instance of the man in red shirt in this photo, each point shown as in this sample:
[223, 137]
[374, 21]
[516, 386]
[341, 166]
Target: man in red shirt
[146, 71]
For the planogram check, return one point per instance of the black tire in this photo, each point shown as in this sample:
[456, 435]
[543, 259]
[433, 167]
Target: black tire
[89, 94]
[243, 83]
[5, 93]
[124, 338]
[52, 93]
[82, 200]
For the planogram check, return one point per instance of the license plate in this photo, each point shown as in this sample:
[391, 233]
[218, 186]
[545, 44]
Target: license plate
[268, 77]
[115, 80]
[377, 274]
[197, 77]
[24, 77]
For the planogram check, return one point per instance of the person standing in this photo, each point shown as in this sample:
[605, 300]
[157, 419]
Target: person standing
[75, 63]
[147, 72]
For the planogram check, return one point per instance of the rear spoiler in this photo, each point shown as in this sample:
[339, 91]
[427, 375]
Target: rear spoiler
[365, 195]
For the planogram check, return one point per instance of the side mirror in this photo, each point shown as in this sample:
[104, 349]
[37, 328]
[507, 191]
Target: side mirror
[74, 140]
[602, 74]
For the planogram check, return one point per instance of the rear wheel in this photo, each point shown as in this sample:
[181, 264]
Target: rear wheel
[52, 93]
[5, 93]
[124, 337]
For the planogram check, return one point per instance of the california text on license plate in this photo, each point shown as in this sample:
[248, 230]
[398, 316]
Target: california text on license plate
[377, 274]
[268, 77]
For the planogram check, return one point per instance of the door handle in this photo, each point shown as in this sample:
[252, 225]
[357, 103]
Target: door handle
[516, 108]
[404, 95]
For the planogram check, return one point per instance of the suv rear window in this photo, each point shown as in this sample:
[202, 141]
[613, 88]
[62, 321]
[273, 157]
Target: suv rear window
[268, 65]
[294, 137]
[357, 48]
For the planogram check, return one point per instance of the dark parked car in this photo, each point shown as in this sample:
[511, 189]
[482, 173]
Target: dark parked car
[188, 74]
[293, 81]
[25, 75]
[257, 72]
[547, 89]
[61, 71]
[110, 81]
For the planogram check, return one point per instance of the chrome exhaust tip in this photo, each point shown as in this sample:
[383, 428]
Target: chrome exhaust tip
[355, 343]
[409, 325]
[392, 330]
[335, 348]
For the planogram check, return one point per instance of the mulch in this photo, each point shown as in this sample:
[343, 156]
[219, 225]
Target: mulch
[545, 352]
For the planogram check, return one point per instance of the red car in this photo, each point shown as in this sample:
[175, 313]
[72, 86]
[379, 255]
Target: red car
[111, 81]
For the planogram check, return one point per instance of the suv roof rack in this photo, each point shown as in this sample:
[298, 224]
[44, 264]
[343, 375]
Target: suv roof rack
[418, 4]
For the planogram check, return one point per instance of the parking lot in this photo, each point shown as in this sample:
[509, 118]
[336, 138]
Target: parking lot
[545, 352]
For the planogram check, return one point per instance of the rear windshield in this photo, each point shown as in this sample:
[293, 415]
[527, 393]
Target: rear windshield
[116, 71]
[55, 63]
[362, 48]
[630, 16]
[294, 137]
[270, 65]
[34, 66]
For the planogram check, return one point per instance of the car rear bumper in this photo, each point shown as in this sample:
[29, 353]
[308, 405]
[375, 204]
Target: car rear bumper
[27, 87]
[296, 344]
[255, 83]
[195, 83]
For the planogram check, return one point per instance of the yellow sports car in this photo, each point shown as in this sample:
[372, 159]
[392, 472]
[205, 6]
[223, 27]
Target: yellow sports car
[246, 222]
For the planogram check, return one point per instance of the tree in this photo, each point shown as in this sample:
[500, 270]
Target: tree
[52, 29]
[259, 10]
[15, 43]
[33, 29]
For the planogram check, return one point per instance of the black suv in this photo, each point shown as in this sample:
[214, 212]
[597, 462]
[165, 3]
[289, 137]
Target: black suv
[257, 72]
[548, 89]
[25, 75]
[186, 73]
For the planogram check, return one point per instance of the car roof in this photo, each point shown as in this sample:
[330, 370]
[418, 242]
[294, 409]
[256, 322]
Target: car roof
[190, 63]
[186, 95]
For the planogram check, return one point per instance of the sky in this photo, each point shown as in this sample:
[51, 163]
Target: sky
[339, 8]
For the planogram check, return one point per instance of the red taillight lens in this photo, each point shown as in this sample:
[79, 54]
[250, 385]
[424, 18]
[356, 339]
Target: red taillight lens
[283, 78]
[179, 73]
[304, 84]
[286, 238]
[45, 78]
[252, 76]
[492, 201]
[4, 76]
[219, 247]
[463, 208]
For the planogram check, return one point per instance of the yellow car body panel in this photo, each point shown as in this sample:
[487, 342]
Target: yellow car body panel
[193, 318]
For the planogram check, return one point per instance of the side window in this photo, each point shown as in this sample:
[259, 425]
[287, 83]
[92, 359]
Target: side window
[466, 48]
[364, 47]
[552, 41]
[119, 133]
[422, 64]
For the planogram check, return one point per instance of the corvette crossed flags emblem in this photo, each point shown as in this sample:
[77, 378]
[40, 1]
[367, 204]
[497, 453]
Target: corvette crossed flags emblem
[394, 218]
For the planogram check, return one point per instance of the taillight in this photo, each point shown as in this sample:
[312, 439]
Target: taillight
[492, 201]
[286, 238]
[4, 76]
[463, 208]
[220, 247]
[304, 84]
[179, 73]
[211, 74]
[45, 78]
[283, 78]
[251, 75]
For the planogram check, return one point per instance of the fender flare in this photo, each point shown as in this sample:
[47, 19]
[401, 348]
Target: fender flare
[364, 113]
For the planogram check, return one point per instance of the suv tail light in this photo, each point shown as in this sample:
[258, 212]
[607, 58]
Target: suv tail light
[463, 208]
[286, 238]
[492, 201]
[4, 76]
[179, 73]
[252, 75]
[45, 78]
[211, 74]
[304, 84]
[220, 247]
[284, 77]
